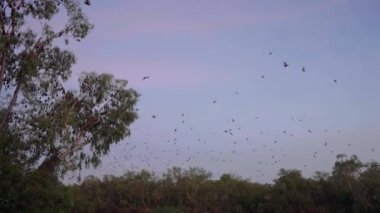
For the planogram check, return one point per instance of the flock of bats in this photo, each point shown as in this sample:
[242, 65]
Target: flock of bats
[144, 155]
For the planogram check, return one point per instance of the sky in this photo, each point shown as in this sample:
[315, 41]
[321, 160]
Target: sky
[221, 97]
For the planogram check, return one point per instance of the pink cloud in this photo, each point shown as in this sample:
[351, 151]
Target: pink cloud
[133, 18]
[161, 73]
[121, 23]
[165, 74]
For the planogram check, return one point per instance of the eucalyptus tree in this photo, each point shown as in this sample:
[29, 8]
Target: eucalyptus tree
[43, 124]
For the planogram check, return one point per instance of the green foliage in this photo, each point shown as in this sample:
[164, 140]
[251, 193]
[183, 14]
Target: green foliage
[45, 127]
[193, 190]
[167, 209]
[23, 191]
[47, 122]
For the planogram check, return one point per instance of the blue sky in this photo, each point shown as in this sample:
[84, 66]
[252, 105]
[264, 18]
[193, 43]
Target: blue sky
[197, 51]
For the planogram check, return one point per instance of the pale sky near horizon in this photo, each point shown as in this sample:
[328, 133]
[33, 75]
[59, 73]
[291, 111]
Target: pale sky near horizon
[198, 51]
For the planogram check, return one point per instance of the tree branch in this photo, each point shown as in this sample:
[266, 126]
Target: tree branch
[3, 55]
[2, 66]
[38, 49]
[77, 145]
[7, 35]
[10, 106]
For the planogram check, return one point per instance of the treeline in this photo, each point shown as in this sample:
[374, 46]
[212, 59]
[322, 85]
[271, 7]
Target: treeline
[352, 186]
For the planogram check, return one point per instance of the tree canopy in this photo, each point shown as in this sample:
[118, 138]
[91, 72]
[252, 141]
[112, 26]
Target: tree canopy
[43, 123]
[196, 190]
